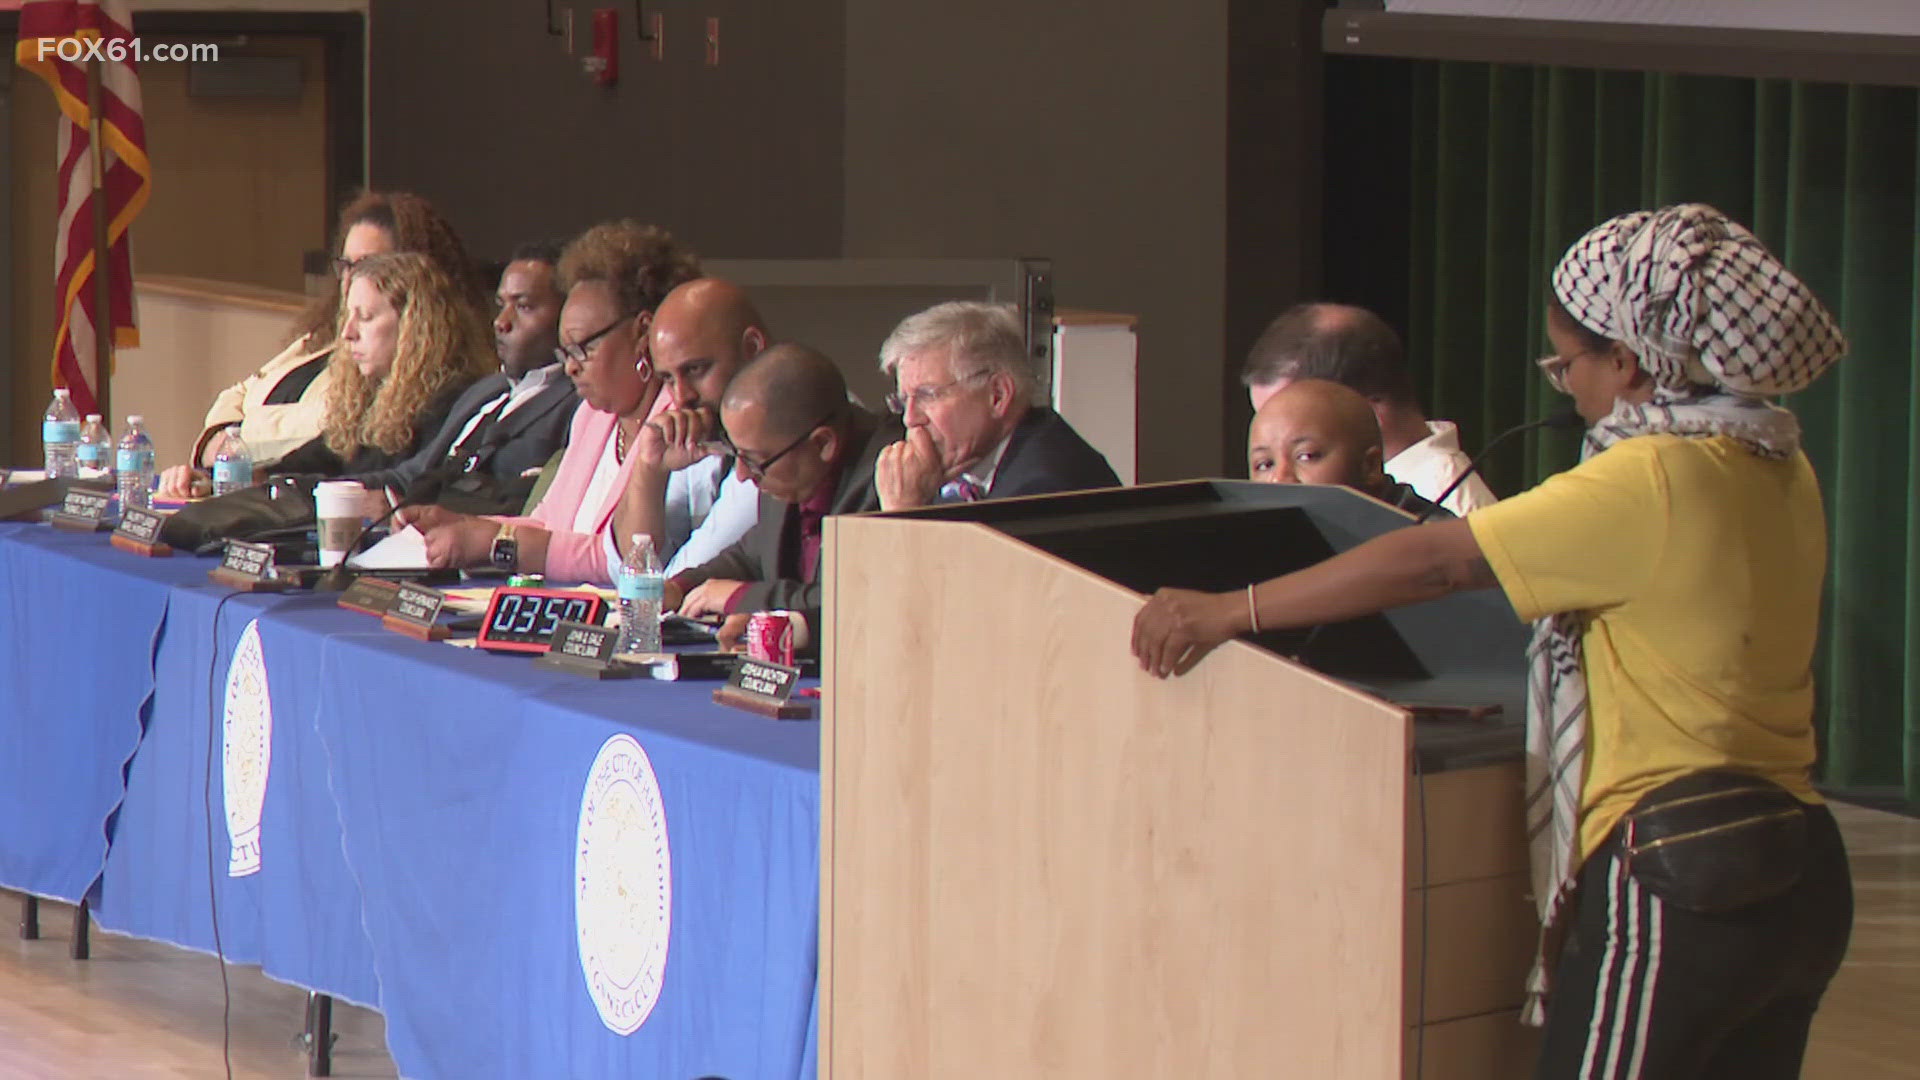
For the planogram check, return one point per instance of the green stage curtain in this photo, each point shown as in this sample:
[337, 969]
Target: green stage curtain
[1511, 164]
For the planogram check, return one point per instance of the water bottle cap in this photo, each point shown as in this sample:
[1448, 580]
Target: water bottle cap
[136, 418]
[60, 392]
[93, 418]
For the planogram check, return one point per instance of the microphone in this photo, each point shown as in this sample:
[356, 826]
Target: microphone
[1560, 419]
[426, 489]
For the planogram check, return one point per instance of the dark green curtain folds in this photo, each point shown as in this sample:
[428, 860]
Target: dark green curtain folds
[1511, 164]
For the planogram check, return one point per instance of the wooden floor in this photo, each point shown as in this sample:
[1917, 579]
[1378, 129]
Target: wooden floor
[140, 1011]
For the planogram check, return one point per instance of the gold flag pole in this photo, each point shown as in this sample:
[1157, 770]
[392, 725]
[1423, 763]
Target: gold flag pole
[102, 278]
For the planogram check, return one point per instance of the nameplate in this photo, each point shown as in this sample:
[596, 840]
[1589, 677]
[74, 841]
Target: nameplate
[139, 532]
[247, 567]
[370, 595]
[584, 649]
[82, 509]
[413, 612]
[763, 688]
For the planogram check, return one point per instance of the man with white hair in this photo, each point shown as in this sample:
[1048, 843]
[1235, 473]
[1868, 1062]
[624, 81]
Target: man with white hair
[965, 388]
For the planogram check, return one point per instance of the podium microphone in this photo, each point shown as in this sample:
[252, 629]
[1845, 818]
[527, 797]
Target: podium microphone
[1560, 419]
[425, 489]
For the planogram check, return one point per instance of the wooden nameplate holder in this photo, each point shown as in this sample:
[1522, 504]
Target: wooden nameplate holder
[139, 533]
[370, 595]
[764, 689]
[585, 650]
[248, 567]
[414, 612]
[82, 509]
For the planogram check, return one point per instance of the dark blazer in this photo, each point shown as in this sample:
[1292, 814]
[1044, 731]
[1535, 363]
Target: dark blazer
[314, 458]
[520, 442]
[1046, 455]
[774, 540]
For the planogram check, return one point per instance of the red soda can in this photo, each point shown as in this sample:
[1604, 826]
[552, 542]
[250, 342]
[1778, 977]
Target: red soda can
[770, 637]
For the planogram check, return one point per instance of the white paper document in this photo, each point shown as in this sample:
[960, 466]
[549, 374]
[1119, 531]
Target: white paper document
[404, 550]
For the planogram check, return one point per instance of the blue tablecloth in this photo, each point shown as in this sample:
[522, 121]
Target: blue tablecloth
[421, 830]
[78, 625]
[299, 916]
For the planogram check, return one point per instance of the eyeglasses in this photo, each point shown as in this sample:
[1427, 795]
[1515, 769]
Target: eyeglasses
[1555, 369]
[927, 395]
[757, 471]
[342, 266]
[577, 352]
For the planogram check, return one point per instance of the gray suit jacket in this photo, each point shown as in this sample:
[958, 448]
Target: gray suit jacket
[774, 540]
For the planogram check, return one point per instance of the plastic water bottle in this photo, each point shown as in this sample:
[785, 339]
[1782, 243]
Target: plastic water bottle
[232, 462]
[135, 462]
[60, 433]
[96, 450]
[641, 587]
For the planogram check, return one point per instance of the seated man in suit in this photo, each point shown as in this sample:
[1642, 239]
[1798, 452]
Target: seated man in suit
[1313, 431]
[812, 452]
[1355, 348]
[965, 388]
[684, 482]
[507, 424]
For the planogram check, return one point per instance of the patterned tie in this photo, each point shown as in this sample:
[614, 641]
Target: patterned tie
[961, 490]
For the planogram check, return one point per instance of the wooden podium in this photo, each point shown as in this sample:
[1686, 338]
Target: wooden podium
[1036, 861]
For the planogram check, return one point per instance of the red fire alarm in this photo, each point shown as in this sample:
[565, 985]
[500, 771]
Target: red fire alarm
[602, 64]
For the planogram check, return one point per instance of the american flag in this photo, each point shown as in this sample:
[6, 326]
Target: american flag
[103, 169]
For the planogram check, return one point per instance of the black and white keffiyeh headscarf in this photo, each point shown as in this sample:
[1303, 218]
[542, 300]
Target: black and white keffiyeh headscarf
[1719, 324]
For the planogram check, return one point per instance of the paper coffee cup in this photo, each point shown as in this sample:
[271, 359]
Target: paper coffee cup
[336, 507]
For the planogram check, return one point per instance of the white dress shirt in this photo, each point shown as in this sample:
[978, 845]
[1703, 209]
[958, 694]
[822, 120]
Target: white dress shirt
[1429, 465]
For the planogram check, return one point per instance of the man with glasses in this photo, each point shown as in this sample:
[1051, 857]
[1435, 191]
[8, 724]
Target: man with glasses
[965, 390]
[812, 452]
[685, 482]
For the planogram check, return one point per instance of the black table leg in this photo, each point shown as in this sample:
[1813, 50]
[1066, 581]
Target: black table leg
[319, 1034]
[81, 947]
[30, 918]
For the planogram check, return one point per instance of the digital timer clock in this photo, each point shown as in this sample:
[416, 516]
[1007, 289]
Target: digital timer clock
[522, 619]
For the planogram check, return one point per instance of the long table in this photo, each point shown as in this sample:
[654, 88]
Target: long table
[528, 873]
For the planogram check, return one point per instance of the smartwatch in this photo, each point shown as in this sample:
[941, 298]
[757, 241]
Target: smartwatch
[506, 550]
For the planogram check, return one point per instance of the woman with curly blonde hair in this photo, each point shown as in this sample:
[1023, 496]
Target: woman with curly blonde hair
[410, 343]
[281, 406]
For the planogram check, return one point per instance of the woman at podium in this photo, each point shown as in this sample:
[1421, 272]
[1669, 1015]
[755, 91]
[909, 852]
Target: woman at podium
[1694, 891]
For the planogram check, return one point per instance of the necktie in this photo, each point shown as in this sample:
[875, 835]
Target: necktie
[471, 446]
[962, 490]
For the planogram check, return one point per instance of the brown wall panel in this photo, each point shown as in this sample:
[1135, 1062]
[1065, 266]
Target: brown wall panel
[477, 108]
[1091, 133]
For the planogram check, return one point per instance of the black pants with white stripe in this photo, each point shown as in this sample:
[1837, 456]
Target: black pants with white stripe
[1646, 990]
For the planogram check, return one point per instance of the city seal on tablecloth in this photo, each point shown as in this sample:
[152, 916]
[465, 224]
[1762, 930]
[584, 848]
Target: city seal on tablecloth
[623, 885]
[247, 750]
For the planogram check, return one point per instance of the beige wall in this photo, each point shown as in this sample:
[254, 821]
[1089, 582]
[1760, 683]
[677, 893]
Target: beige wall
[238, 194]
[198, 339]
[1094, 134]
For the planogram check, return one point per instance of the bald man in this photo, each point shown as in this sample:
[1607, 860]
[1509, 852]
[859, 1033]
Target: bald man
[1312, 431]
[812, 452]
[1357, 349]
[684, 484]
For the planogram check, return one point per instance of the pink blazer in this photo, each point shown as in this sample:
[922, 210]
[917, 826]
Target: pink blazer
[578, 556]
